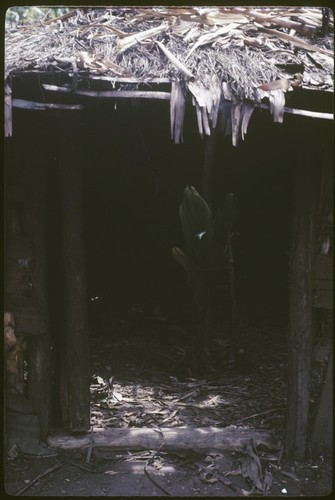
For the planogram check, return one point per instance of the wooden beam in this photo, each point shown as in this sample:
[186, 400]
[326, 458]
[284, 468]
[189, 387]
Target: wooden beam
[76, 344]
[178, 438]
[42, 106]
[303, 112]
[123, 79]
[111, 94]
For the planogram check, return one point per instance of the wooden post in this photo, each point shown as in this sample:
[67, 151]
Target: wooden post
[76, 343]
[300, 334]
[34, 226]
[322, 432]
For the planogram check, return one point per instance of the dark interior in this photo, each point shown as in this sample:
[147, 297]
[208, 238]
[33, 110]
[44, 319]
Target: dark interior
[134, 181]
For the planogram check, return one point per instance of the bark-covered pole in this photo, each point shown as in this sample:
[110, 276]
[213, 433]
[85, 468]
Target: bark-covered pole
[76, 344]
[300, 333]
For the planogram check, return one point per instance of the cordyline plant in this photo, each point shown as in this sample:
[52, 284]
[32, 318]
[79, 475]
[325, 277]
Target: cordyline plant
[208, 249]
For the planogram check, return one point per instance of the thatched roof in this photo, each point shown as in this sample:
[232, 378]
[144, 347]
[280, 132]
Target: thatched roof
[228, 59]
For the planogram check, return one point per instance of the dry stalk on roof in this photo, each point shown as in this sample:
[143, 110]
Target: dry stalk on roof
[229, 53]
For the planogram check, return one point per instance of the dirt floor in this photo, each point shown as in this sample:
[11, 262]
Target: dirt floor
[142, 376]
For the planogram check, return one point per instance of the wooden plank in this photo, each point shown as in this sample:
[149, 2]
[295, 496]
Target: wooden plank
[167, 439]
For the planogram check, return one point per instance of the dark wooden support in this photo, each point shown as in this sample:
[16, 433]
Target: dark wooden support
[34, 225]
[76, 343]
[322, 431]
[300, 335]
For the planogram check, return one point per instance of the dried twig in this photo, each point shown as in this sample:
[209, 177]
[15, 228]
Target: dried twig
[48, 471]
[261, 413]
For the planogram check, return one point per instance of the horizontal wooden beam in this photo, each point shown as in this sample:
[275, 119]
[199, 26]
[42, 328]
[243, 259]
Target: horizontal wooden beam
[41, 106]
[111, 94]
[303, 112]
[123, 79]
[177, 438]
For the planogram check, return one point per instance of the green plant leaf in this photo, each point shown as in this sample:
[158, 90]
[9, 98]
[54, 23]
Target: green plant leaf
[195, 214]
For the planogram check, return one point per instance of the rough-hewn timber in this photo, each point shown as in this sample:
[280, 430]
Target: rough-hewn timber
[76, 343]
[300, 335]
[39, 346]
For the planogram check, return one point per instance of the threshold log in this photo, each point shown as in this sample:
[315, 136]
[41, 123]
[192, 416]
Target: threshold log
[180, 438]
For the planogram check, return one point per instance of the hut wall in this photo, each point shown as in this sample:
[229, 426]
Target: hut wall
[322, 287]
[25, 266]
[310, 298]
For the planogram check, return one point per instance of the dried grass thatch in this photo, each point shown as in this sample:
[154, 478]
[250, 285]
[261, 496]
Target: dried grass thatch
[218, 54]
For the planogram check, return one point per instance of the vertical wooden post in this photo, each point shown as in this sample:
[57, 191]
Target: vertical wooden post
[34, 225]
[322, 432]
[76, 344]
[300, 335]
